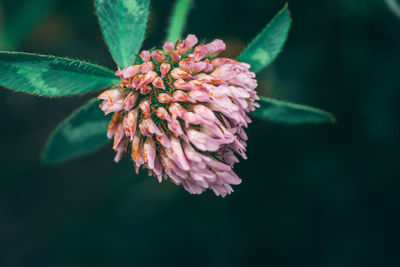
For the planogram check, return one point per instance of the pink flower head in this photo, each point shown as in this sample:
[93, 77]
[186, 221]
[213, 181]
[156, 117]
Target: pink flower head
[183, 113]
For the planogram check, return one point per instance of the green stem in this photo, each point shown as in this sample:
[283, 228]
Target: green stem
[178, 19]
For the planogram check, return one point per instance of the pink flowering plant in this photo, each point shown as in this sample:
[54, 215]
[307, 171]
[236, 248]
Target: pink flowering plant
[179, 111]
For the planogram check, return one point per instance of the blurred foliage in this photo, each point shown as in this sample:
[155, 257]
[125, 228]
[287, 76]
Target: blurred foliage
[178, 20]
[19, 19]
[311, 195]
[394, 6]
[79, 134]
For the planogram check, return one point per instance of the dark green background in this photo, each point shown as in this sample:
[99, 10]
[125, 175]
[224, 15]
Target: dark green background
[312, 195]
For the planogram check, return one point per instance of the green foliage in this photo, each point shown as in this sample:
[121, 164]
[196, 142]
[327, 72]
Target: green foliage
[51, 76]
[268, 44]
[178, 19]
[84, 131]
[286, 112]
[123, 23]
[394, 6]
[18, 24]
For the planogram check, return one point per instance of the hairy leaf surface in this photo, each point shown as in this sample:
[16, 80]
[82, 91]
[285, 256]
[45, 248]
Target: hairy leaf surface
[281, 111]
[123, 23]
[268, 44]
[51, 76]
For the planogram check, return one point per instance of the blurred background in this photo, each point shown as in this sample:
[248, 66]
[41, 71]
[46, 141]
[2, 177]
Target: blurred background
[312, 195]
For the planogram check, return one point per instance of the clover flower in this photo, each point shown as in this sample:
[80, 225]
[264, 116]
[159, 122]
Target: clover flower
[179, 111]
[182, 112]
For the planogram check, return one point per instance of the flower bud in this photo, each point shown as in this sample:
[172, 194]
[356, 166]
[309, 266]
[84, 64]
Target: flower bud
[177, 110]
[129, 123]
[144, 90]
[164, 68]
[145, 55]
[163, 114]
[158, 56]
[180, 96]
[145, 107]
[184, 46]
[148, 78]
[164, 98]
[146, 67]
[209, 66]
[179, 73]
[158, 83]
[168, 46]
[191, 65]
[130, 100]
[130, 71]
[175, 56]
[113, 101]
[136, 81]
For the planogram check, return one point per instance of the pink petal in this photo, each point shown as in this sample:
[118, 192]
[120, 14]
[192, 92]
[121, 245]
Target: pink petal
[149, 152]
[181, 159]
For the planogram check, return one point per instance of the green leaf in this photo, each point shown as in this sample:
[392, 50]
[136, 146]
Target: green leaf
[286, 112]
[178, 20]
[123, 23]
[268, 44]
[51, 76]
[83, 132]
[394, 6]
